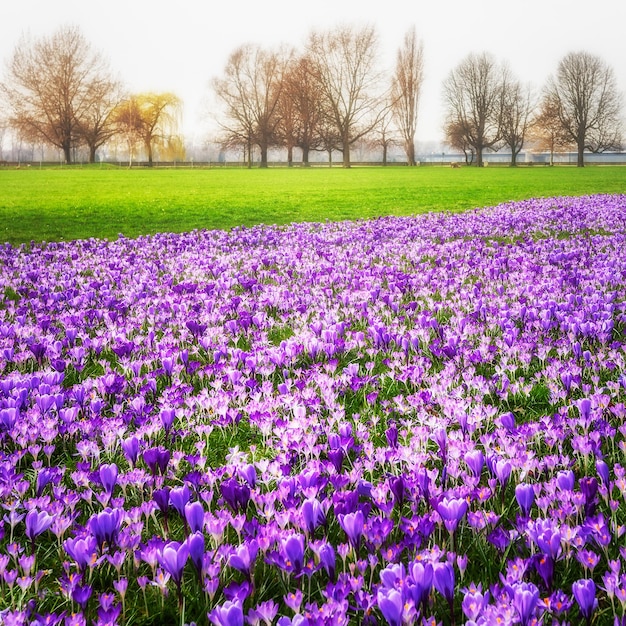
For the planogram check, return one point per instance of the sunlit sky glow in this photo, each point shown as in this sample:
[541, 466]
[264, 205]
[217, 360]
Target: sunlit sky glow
[181, 46]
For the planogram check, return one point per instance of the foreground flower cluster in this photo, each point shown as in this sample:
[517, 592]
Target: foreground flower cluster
[398, 421]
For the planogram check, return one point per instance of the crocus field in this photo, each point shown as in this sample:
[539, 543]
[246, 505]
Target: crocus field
[393, 421]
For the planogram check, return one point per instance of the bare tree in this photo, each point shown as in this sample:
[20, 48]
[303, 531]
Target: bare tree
[384, 137]
[153, 119]
[250, 90]
[458, 140]
[516, 116]
[473, 94]
[52, 85]
[406, 87]
[301, 109]
[546, 128]
[588, 101]
[345, 59]
[97, 125]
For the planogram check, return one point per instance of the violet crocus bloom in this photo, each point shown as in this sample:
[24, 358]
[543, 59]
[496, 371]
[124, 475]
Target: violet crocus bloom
[243, 557]
[475, 460]
[36, 523]
[565, 480]
[525, 496]
[293, 548]
[452, 511]
[352, 524]
[195, 543]
[328, 560]
[312, 514]
[603, 471]
[584, 591]
[167, 418]
[443, 580]
[235, 494]
[172, 558]
[391, 605]
[83, 550]
[108, 476]
[525, 600]
[420, 581]
[194, 515]
[105, 526]
[179, 497]
[130, 448]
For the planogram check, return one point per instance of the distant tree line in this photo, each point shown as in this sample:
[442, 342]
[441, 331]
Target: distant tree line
[327, 97]
[61, 93]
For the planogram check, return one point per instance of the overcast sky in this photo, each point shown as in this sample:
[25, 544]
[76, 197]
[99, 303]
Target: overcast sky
[158, 45]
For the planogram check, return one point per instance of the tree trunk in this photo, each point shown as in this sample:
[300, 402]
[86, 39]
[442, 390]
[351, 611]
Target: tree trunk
[479, 157]
[305, 156]
[581, 154]
[410, 153]
[346, 155]
[263, 162]
[67, 153]
[513, 158]
[385, 155]
[290, 156]
[92, 154]
[149, 152]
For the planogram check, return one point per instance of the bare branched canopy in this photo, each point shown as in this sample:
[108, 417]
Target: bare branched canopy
[546, 129]
[587, 101]
[406, 88]
[516, 116]
[60, 92]
[250, 90]
[349, 83]
[473, 93]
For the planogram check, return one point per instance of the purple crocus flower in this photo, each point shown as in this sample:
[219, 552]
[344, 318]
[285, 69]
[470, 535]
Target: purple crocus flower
[584, 591]
[83, 550]
[130, 448]
[156, 459]
[452, 511]
[589, 488]
[475, 460]
[420, 581]
[195, 544]
[603, 471]
[243, 557]
[565, 480]
[352, 524]
[443, 580]
[525, 600]
[312, 514]
[167, 418]
[227, 614]
[179, 497]
[105, 526]
[328, 559]
[194, 515]
[81, 595]
[525, 496]
[36, 523]
[172, 558]
[391, 605]
[108, 476]
[235, 494]
[293, 548]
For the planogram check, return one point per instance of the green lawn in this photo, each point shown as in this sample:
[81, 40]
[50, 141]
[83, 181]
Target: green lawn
[63, 204]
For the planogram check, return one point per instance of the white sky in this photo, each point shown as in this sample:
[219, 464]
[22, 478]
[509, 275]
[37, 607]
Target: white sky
[158, 45]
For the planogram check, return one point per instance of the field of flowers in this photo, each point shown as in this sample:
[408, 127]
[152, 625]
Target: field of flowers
[393, 421]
